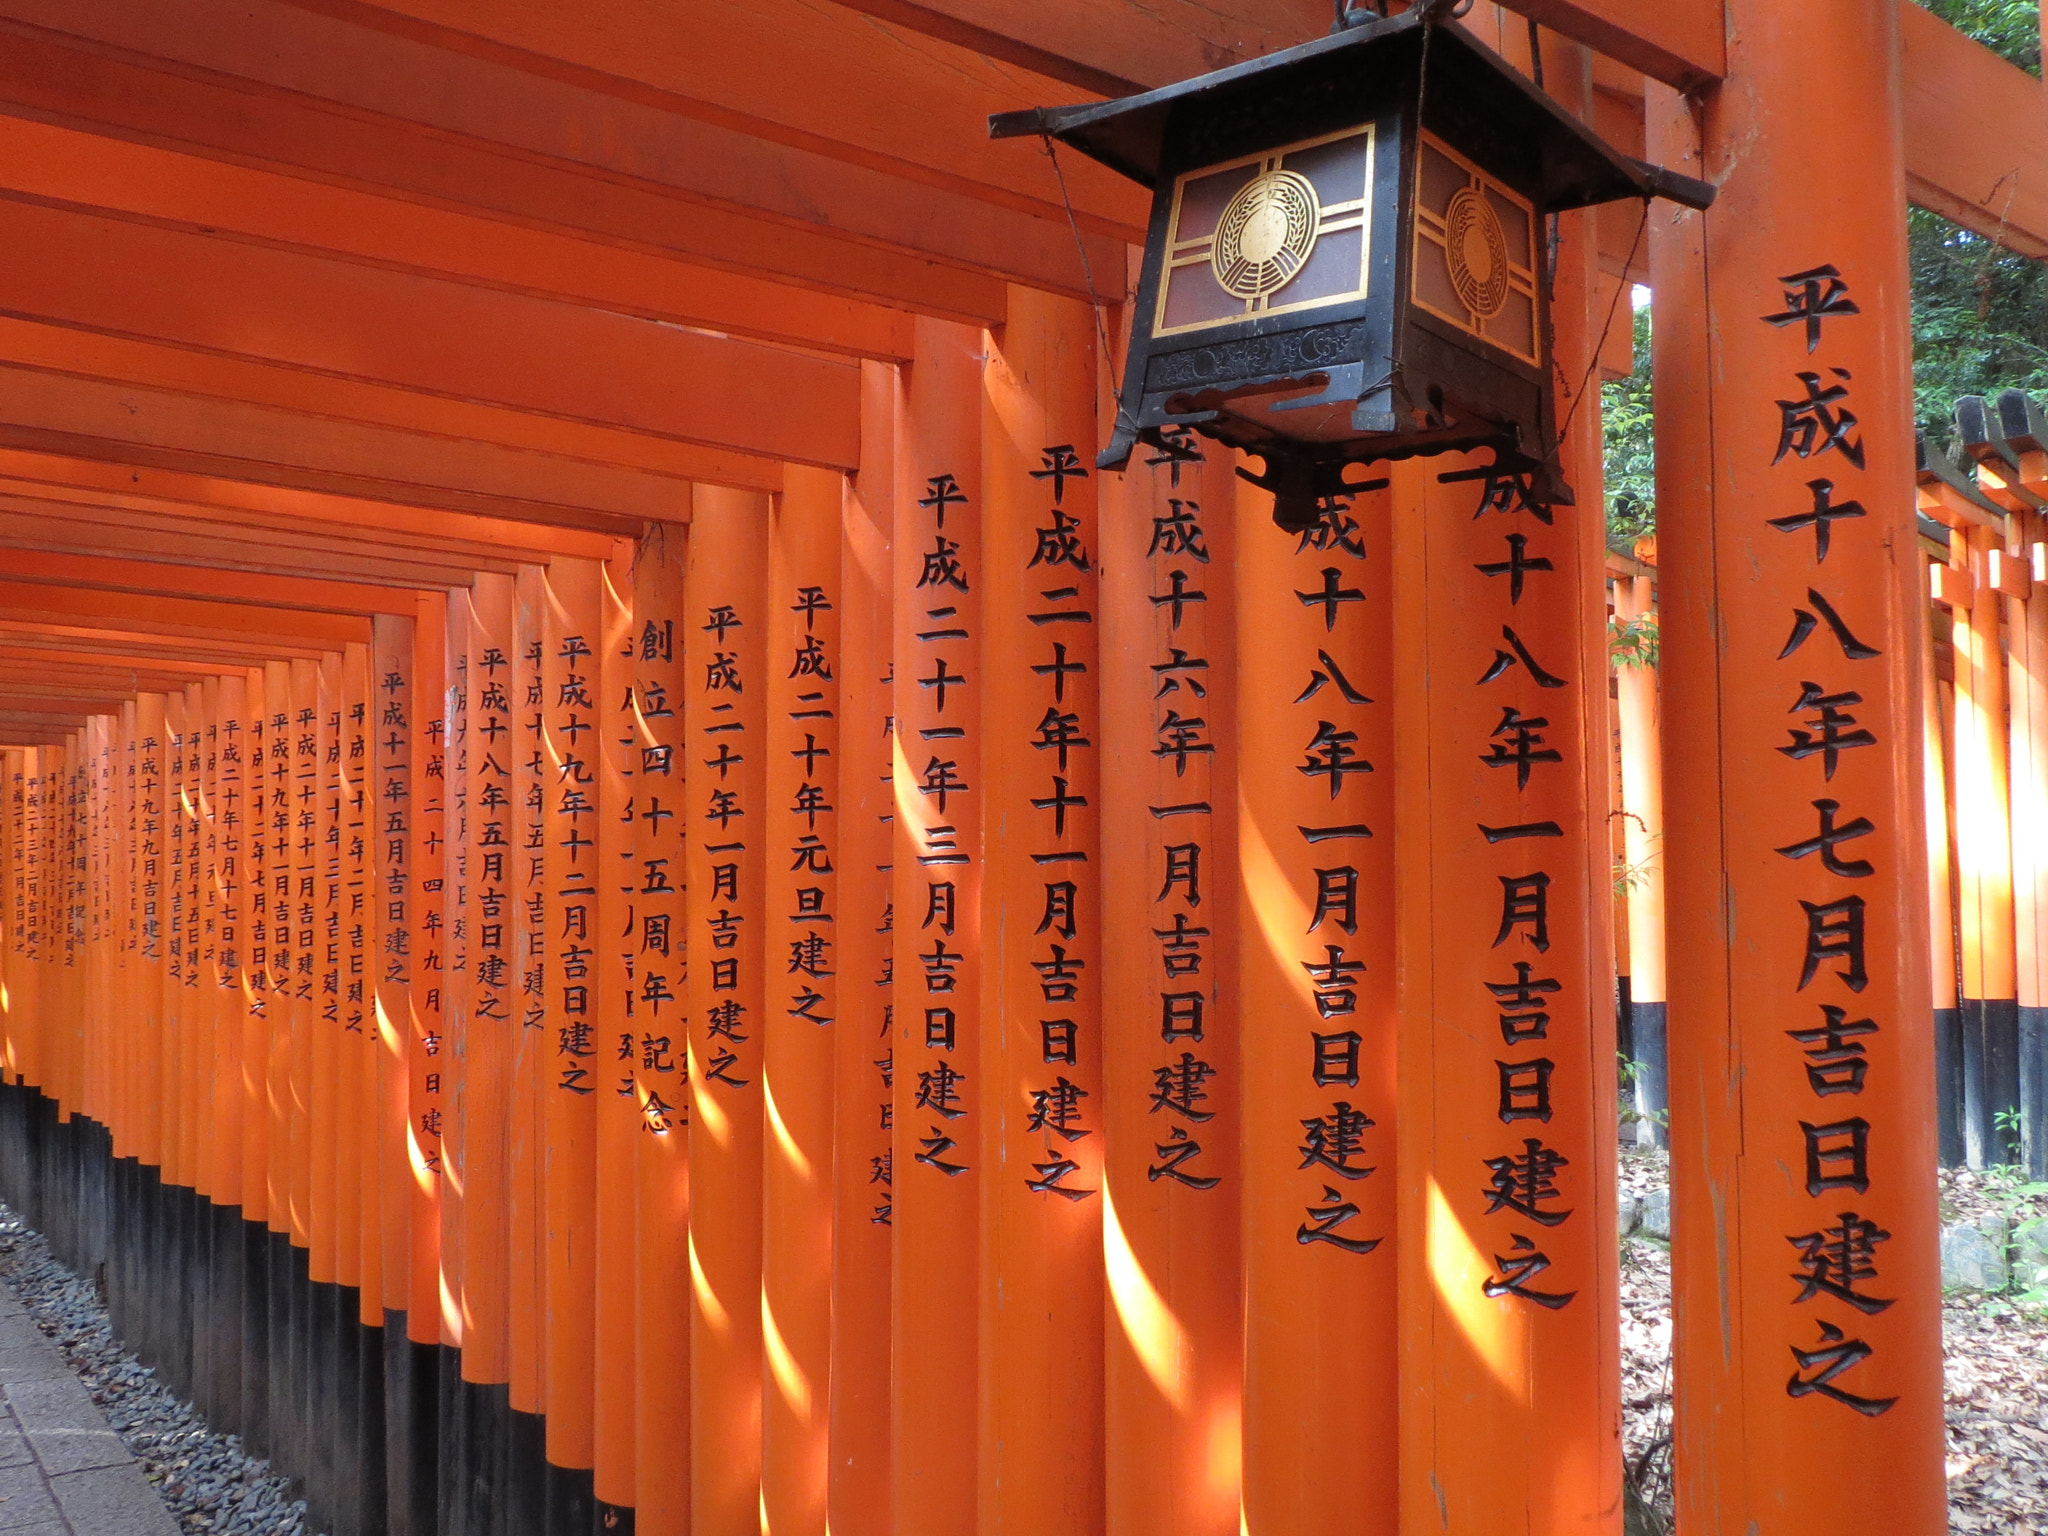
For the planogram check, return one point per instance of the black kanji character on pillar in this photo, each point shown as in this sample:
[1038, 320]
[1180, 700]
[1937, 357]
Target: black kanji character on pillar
[1825, 841]
[1178, 1086]
[1051, 1174]
[1331, 1141]
[1829, 733]
[1183, 869]
[1060, 544]
[1517, 1269]
[940, 681]
[1837, 1155]
[1179, 532]
[942, 565]
[1169, 674]
[1834, 1259]
[1836, 1355]
[1335, 1059]
[810, 660]
[1525, 1089]
[1322, 677]
[1180, 737]
[1324, 1220]
[1518, 652]
[1336, 898]
[1515, 567]
[939, 1091]
[1835, 1063]
[1826, 511]
[1057, 669]
[1177, 596]
[942, 778]
[1177, 446]
[1059, 914]
[1330, 755]
[1334, 529]
[1810, 427]
[1501, 490]
[1834, 930]
[1804, 624]
[1812, 296]
[1058, 1110]
[1180, 947]
[1520, 1001]
[1061, 465]
[1179, 1148]
[1519, 745]
[1331, 977]
[1060, 977]
[936, 1146]
[1058, 803]
[1523, 1183]
[810, 602]
[941, 492]
[1525, 903]
[1333, 596]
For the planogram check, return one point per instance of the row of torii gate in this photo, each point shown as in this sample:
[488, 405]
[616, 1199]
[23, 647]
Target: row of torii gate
[743, 941]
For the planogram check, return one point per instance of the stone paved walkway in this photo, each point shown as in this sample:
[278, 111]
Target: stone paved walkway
[63, 1472]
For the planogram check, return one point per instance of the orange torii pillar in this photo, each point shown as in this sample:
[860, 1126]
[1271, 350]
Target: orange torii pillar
[1642, 808]
[449, 1075]
[573, 722]
[661, 662]
[935, 1052]
[725, 722]
[1943, 972]
[533, 1051]
[803, 815]
[1314, 881]
[1040, 1143]
[1172, 1355]
[489, 855]
[863, 1151]
[616, 1276]
[1807, 1342]
[2023, 568]
[1984, 856]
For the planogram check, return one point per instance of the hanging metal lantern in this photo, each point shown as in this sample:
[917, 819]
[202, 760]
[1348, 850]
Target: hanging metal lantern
[1347, 257]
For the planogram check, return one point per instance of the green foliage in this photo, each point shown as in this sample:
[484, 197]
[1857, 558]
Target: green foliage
[1634, 642]
[1980, 313]
[1980, 319]
[2009, 28]
[1630, 447]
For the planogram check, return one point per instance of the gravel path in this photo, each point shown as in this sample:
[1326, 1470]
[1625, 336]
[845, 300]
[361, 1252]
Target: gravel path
[204, 1479]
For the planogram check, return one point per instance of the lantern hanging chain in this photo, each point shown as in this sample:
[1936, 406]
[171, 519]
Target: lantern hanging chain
[1123, 419]
[1613, 307]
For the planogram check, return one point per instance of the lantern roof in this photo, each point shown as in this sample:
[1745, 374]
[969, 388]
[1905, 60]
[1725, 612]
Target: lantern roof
[1567, 165]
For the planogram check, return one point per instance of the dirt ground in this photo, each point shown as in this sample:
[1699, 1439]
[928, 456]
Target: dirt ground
[1997, 1372]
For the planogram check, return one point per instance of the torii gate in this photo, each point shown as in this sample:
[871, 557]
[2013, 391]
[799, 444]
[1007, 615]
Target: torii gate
[1244, 1112]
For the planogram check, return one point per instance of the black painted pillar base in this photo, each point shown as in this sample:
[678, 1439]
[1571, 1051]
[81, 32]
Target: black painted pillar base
[1949, 1100]
[2033, 1076]
[1991, 1081]
[571, 1503]
[1653, 1074]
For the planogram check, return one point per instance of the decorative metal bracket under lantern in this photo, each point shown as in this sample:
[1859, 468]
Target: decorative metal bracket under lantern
[1347, 258]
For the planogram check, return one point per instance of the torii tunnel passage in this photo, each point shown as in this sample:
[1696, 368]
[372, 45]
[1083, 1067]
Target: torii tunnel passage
[633, 896]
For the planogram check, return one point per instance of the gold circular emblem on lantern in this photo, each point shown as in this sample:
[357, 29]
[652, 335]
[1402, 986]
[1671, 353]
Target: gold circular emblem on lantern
[1265, 235]
[1476, 249]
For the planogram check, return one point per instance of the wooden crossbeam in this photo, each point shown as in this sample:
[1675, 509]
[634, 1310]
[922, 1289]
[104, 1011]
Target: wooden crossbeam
[352, 322]
[47, 162]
